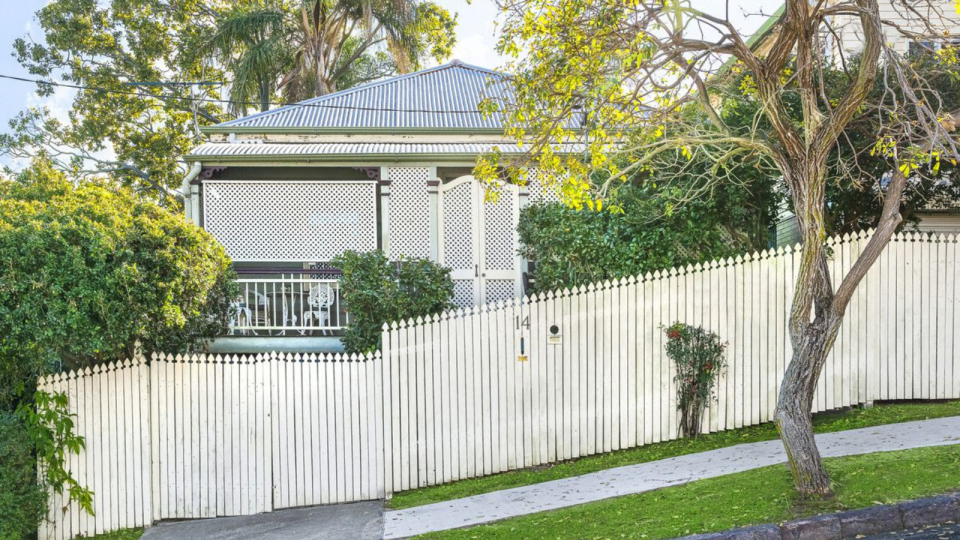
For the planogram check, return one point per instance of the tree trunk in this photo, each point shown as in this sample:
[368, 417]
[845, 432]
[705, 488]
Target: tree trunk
[793, 413]
[264, 95]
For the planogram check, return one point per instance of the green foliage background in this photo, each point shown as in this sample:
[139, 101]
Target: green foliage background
[378, 291]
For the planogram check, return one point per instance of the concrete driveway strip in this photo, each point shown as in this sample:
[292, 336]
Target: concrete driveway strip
[355, 521]
[644, 477]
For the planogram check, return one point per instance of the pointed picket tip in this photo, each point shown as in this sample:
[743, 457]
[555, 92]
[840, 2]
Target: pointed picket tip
[739, 259]
[386, 326]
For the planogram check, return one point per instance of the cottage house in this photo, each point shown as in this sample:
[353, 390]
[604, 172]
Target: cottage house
[387, 166]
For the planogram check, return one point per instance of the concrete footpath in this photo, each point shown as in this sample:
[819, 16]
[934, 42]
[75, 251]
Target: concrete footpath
[644, 477]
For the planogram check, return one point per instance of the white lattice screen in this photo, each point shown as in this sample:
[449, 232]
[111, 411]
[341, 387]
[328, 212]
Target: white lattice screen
[409, 212]
[500, 289]
[290, 221]
[457, 218]
[463, 293]
[539, 191]
[500, 250]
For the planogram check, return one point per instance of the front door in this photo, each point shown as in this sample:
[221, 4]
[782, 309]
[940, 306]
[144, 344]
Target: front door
[478, 241]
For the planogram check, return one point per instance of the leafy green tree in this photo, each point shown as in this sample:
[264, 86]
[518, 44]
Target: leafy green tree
[136, 134]
[321, 46]
[254, 40]
[856, 173]
[631, 73]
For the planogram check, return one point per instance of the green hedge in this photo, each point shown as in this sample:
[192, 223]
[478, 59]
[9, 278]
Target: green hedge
[378, 291]
[90, 270]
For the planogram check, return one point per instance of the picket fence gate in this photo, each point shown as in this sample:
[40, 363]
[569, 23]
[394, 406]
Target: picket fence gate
[472, 392]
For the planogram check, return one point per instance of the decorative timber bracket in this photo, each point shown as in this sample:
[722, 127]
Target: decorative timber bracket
[372, 173]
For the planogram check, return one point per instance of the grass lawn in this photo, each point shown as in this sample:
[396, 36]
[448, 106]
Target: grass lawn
[750, 498]
[125, 534]
[823, 423]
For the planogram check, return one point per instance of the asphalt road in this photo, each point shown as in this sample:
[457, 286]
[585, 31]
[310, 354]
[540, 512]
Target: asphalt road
[355, 521]
[942, 532]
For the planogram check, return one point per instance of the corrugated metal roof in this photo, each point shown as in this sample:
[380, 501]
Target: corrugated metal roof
[349, 149]
[444, 97]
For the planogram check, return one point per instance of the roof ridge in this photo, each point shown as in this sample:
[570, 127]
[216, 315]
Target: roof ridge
[363, 87]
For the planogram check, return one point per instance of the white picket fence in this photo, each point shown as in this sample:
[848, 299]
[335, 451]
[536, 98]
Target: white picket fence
[475, 392]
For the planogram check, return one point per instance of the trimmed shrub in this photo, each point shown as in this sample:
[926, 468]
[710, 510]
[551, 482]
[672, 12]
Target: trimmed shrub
[698, 355]
[22, 500]
[378, 291]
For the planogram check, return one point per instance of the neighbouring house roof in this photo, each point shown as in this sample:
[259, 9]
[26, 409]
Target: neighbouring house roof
[443, 97]
[333, 151]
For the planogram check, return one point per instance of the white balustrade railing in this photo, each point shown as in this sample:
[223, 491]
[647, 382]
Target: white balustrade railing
[294, 305]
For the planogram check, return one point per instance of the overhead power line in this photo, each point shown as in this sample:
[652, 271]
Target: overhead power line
[231, 102]
[186, 83]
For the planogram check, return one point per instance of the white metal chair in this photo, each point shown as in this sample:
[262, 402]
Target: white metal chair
[322, 296]
[240, 315]
[248, 315]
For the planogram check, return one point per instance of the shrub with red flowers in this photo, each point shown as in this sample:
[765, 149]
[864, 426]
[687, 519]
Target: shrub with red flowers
[698, 355]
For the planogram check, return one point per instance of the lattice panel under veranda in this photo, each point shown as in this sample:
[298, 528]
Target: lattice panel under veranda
[291, 221]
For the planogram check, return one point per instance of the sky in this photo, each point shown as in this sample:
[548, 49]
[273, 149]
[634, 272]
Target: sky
[475, 43]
